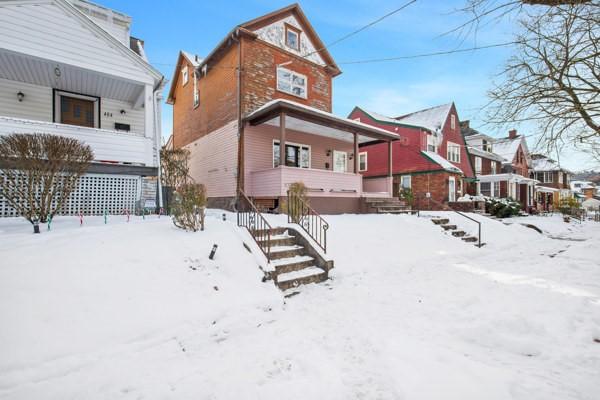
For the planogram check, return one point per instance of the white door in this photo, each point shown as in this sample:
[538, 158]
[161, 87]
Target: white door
[451, 189]
[340, 161]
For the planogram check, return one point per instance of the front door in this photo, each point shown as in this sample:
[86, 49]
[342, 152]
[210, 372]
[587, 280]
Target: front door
[75, 111]
[340, 161]
[451, 189]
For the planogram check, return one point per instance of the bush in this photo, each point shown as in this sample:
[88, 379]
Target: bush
[407, 196]
[297, 191]
[502, 208]
[188, 207]
[40, 171]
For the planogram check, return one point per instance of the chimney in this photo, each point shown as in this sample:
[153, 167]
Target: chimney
[512, 134]
[464, 124]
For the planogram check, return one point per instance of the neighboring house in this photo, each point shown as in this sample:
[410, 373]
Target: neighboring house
[255, 114]
[513, 178]
[480, 148]
[71, 68]
[554, 181]
[584, 189]
[429, 158]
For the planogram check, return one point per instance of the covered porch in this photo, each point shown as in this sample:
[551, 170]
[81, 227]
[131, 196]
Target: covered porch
[285, 142]
[514, 186]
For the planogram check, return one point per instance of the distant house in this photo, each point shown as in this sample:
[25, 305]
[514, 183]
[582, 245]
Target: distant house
[554, 180]
[255, 114]
[584, 189]
[72, 68]
[430, 158]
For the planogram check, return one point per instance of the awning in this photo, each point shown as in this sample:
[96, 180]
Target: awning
[311, 120]
[545, 189]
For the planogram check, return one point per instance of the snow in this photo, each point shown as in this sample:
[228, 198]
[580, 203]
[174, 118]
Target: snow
[441, 161]
[432, 118]
[290, 276]
[507, 148]
[136, 310]
[193, 59]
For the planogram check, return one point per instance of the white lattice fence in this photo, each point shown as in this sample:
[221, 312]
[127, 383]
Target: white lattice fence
[95, 194]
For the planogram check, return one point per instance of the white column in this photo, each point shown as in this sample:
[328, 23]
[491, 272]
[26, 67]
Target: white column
[149, 112]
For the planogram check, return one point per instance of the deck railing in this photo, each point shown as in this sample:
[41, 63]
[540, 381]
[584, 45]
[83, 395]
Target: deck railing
[249, 217]
[299, 212]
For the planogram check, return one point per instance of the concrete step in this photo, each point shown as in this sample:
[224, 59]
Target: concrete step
[280, 240]
[273, 231]
[312, 274]
[284, 265]
[459, 233]
[440, 221]
[448, 227]
[470, 239]
[279, 252]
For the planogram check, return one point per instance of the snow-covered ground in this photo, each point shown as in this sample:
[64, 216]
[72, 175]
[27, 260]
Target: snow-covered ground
[137, 311]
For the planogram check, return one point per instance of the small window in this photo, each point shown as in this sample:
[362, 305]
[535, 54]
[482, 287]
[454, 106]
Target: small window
[362, 161]
[196, 93]
[453, 152]
[291, 82]
[292, 37]
[453, 122]
[431, 144]
[478, 165]
[185, 75]
[493, 165]
[405, 182]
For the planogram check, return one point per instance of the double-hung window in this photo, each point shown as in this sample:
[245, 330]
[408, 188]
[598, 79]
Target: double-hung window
[453, 152]
[478, 165]
[493, 165]
[405, 182]
[362, 161]
[291, 82]
[431, 143]
[296, 155]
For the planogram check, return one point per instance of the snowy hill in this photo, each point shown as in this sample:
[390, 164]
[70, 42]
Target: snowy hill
[136, 310]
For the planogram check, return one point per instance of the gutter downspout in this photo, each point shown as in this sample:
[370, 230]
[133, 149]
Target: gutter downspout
[157, 97]
[240, 168]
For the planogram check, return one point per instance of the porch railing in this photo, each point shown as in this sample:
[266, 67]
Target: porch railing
[299, 212]
[249, 217]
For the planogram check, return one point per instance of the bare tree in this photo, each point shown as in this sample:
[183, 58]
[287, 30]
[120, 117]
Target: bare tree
[554, 77]
[38, 172]
[174, 164]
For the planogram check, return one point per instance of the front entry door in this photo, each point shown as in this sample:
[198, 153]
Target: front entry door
[451, 189]
[340, 161]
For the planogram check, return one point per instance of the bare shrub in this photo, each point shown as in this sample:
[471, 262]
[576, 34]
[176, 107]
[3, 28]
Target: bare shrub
[38, 172]
[296, 201]
[189, 205]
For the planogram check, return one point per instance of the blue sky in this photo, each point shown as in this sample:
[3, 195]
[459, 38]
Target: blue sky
[392, 88]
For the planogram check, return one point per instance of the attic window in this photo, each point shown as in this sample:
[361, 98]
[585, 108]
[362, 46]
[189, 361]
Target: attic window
[185, 75]
[453, 122]
[292, 37]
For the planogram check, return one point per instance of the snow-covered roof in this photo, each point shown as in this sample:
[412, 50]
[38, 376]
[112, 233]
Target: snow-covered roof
[431, 118]
[578, 186]
[482, 153]
[192, 58]
[385, 118]
[505, 177]
[507, 148]
[447, 165]
[544, 164]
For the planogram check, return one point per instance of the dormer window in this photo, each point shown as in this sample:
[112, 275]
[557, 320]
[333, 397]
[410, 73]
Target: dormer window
[292, 37]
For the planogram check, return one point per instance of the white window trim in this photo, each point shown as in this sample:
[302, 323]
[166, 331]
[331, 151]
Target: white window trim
[452, 195]
[449, 155]
[431, 141]
[276, 141]
[286, 30]
[196, 96]
[409, 181]
[364, 153]
[478, 165]
[333, 161]
[292, 73]
[185, 75]
[453, 122]
[57, 104]
[494, 167]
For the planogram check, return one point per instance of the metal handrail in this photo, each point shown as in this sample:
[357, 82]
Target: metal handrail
[255, 223]
[299, 212]
[463, 215]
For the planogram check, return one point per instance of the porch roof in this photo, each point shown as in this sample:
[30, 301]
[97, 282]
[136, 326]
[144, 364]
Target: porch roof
[311, 120]
[506, 177]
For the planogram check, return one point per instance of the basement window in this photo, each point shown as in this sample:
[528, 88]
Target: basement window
[291, 82]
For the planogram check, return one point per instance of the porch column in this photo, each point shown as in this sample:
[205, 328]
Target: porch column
[149, 112]
[390, 158]
[282, 139]
[355, 153]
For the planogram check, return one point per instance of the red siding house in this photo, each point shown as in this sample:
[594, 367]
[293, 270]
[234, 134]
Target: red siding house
[430, 157]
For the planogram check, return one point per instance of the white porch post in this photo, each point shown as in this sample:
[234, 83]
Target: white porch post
[149, 111]
[282, 139]
[355, 153]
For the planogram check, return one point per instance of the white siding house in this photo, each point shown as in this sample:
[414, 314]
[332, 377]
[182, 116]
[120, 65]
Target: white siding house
[71, 68]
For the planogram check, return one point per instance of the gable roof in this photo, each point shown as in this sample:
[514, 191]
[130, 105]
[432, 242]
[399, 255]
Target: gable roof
[442, 162]
[383, 119]
[194, 60]
[543, 163]
[507, 147]
[430, 118]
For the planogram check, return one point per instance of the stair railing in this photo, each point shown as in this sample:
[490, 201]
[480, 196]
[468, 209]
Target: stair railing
[448, 208]
[249, 217]
[299, 212]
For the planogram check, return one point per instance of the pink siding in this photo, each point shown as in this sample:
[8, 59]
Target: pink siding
[320, 183]
[213, 161]
[378, 185]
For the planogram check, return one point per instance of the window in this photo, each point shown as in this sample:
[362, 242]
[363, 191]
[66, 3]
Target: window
[453, 122]
[296, 155]
[493, 165]
[547, 177]
[560, 177]
[185, 75]
[362, 161]
[291, 82]
[478, 165]
[405, 182]
[453, 152]
[196, 93]
[431, 143]
[292, 37]
[76, 109]
[486, 146]
[486, 188]
[340, 161]
[496, 189]
[451, 189]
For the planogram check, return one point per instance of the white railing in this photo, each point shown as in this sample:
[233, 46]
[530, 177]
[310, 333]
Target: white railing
[107, 145]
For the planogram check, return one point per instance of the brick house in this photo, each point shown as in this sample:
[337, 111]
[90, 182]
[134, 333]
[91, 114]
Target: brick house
[429, 158]
[554, 181]
[256, 116]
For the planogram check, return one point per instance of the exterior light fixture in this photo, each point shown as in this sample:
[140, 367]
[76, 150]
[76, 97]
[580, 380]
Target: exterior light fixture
[328, 152]
[20, 96]
[123, 112]
[57, 72]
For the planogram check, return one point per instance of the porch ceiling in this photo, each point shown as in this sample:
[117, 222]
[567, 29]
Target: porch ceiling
[307, 119]
[22, 68]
